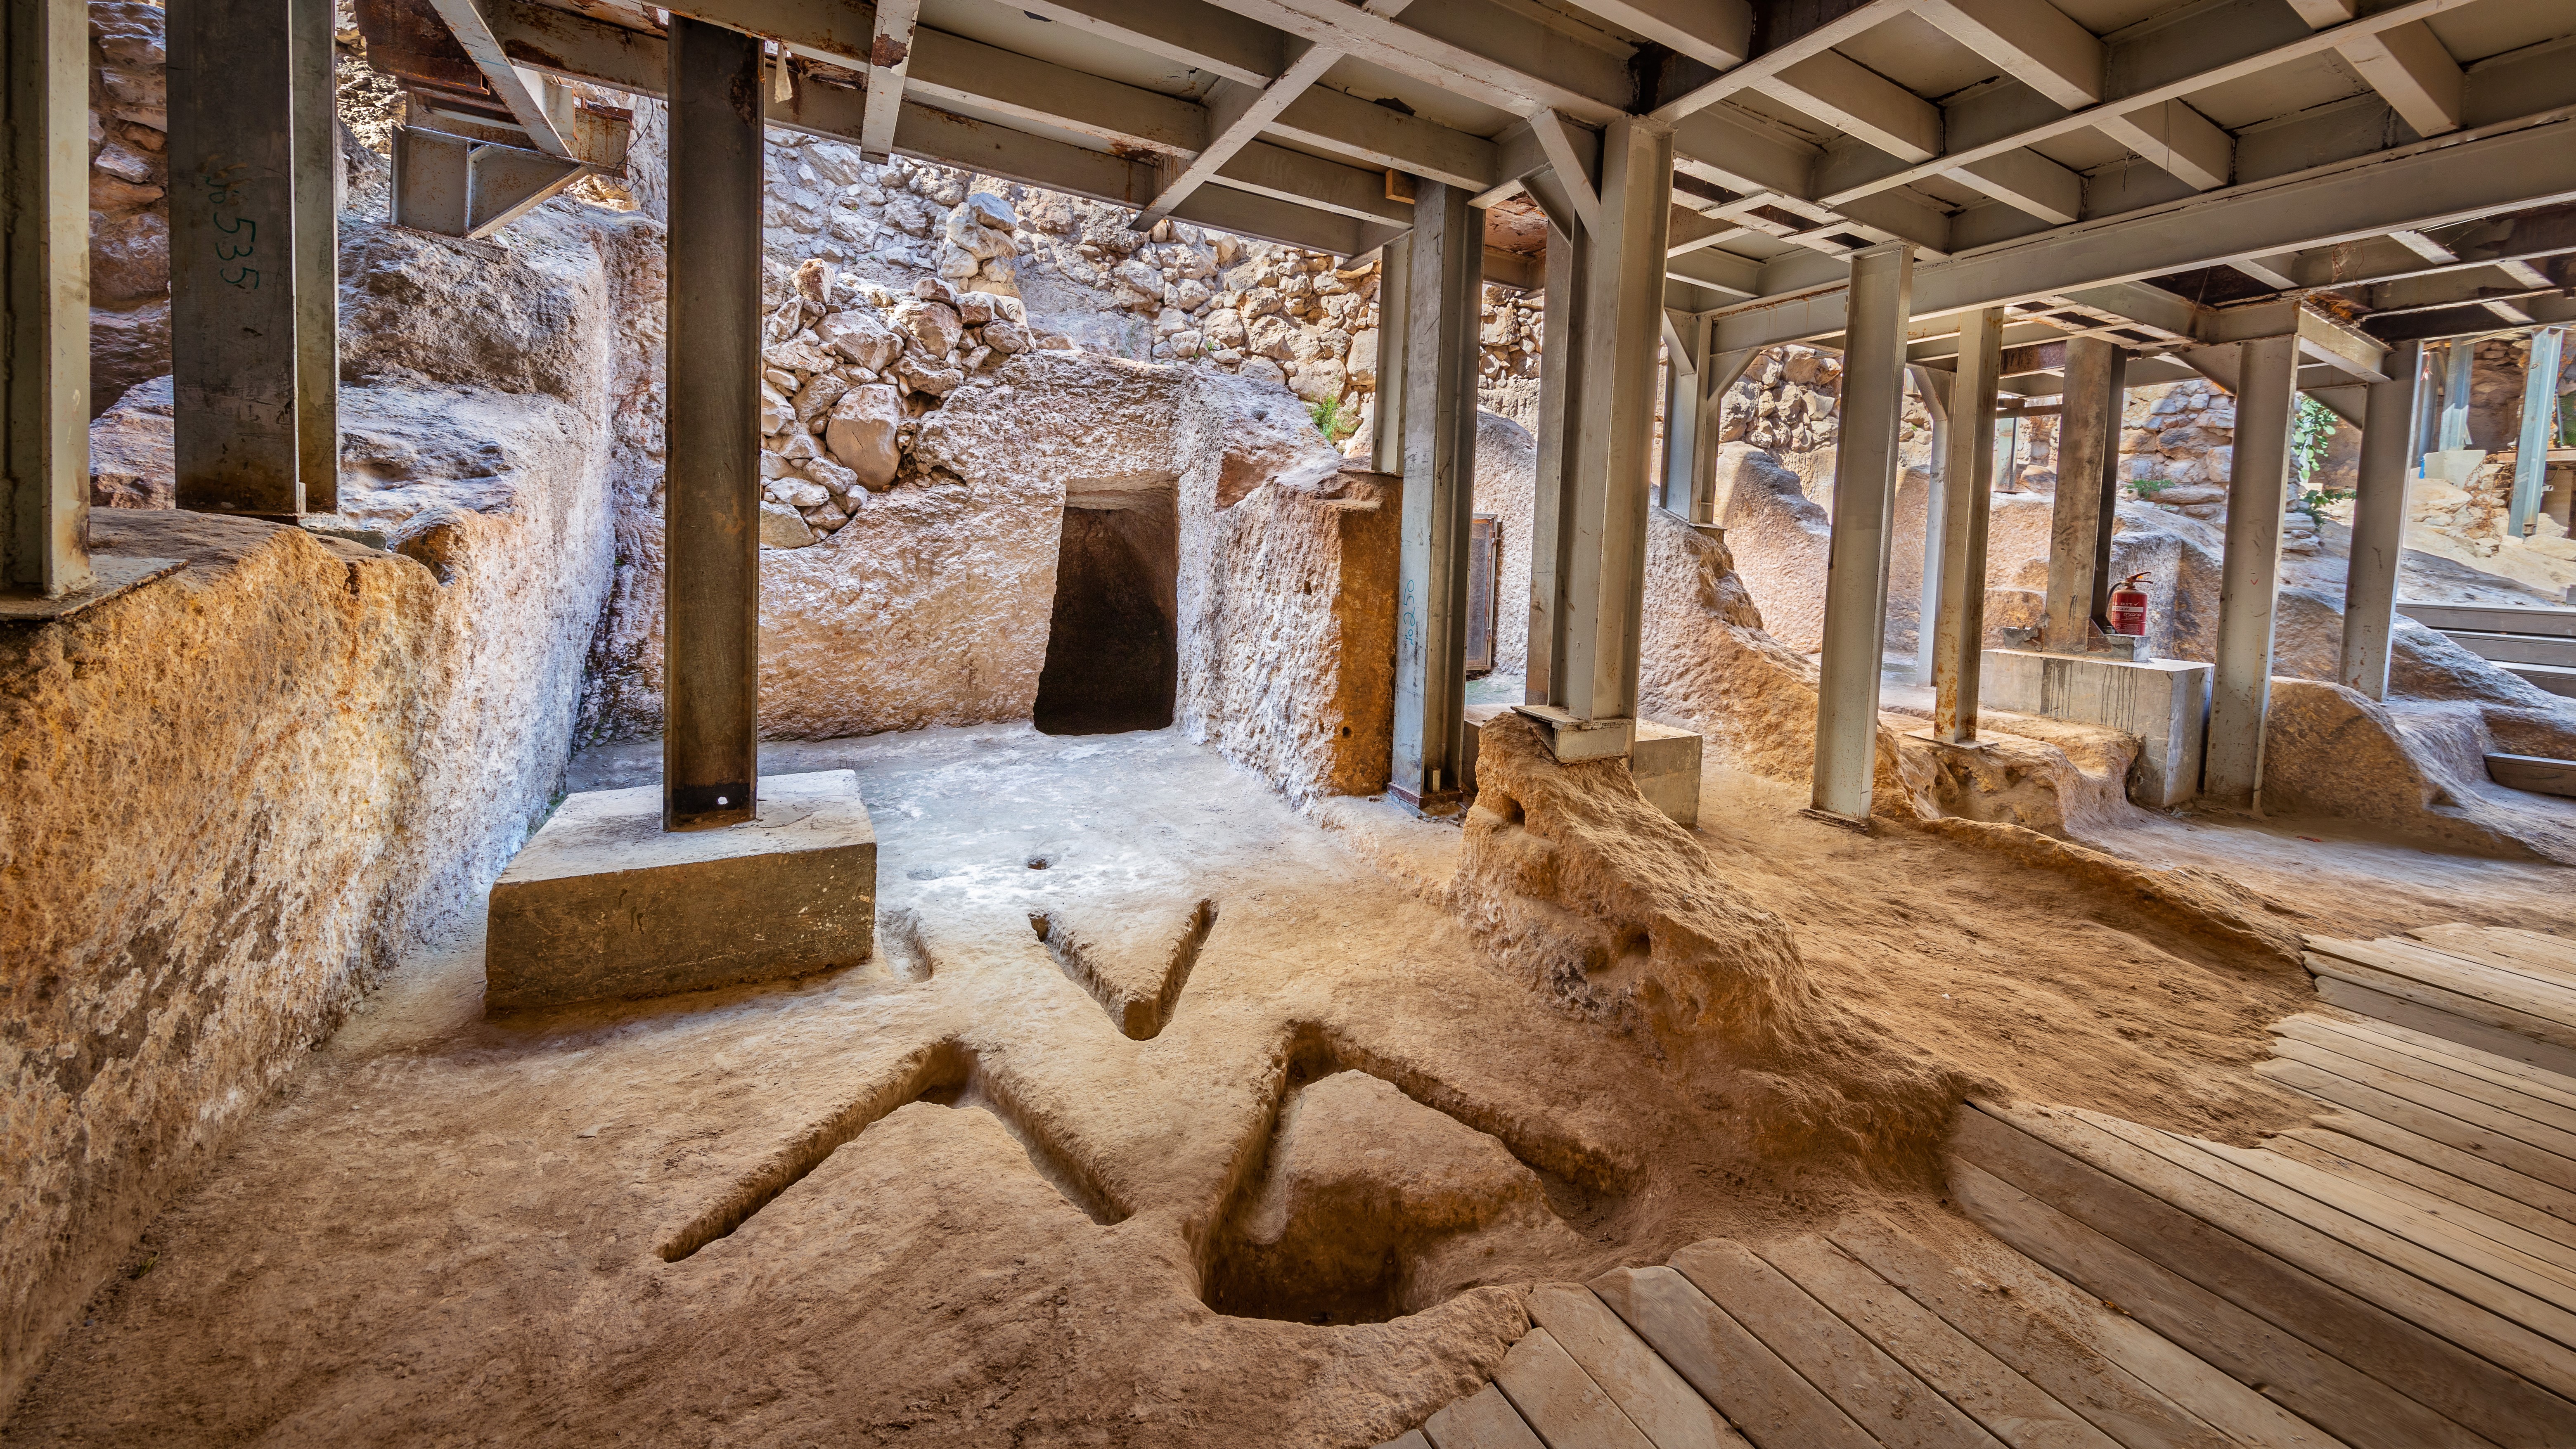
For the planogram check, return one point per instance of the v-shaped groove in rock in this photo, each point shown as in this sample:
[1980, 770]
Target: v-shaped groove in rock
[947, 1073]
[1140, 1016]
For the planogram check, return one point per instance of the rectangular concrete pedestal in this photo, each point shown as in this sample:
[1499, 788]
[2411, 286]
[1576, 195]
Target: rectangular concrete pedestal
[1664, 761]
[2164, 702]
[1665, 764]
[604, 904]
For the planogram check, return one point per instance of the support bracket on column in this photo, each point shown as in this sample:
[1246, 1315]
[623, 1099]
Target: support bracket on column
[1570, 738]
[454, 186]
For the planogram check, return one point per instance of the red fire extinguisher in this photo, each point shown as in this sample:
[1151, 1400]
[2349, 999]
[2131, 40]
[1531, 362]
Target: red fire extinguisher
[2129, 606]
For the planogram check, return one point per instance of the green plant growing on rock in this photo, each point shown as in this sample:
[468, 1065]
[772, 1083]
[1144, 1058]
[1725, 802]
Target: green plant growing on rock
[1330, 421]
[2311, 430]
[2148, 488]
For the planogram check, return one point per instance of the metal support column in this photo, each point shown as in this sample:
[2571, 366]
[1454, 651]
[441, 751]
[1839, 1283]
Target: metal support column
[2267, 376]
[44, 357]
[2539, 413]
[1934, 387]
[1958, 638]
[1594, 680]
[2428, 405]
[2388, 448]
[1882, 301]
[2459, 360]
[1681, 414]
[711, 490]
[1441, 323]
[2088, 435]
[2107, 517]
[1386, 429]
[253, 158]
[317, 254]
[1560, 370]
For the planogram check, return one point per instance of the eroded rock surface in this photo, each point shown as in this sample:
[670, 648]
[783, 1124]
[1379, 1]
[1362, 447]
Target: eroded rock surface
[319, 754]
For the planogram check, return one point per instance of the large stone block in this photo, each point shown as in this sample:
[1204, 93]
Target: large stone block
[605, 904]
[2164, 702]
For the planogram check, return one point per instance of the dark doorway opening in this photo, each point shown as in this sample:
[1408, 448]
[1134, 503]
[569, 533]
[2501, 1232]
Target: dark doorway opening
[1113, 658]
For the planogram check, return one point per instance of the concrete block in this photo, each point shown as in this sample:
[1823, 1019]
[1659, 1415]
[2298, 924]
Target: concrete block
[1664, 762]
[2164, 702]
[605, 904]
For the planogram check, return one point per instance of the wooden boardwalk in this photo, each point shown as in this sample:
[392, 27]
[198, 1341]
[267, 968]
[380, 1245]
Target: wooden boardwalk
[2401, 1273]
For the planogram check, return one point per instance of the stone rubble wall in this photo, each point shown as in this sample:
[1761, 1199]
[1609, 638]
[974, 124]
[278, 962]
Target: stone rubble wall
[1174, 293]
[129, 178]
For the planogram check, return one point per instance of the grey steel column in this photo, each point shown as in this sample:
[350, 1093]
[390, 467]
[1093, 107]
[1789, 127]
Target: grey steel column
[1386, 427]
[2428, 406]
[1958, 640]
[2249, 578]
[2459, 362]
[2388, 453]
[1934, 386]
[1605, 580]
[1441, 322]
[233, 262]
[44, 357]
[2087, 434]
[2539, 410]
[1560, 367]
[2108, 519]
[1882, 301]
[711, 492]
[317, 255]
[1681, 429]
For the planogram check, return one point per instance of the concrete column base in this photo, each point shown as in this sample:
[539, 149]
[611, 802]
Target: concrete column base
[1663, 760]
[2164, 702]
[604, 904]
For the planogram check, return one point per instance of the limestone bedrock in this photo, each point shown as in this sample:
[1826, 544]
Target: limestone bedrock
[605, 903]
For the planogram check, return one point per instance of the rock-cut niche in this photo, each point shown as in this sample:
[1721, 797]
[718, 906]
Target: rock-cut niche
[1113, 658]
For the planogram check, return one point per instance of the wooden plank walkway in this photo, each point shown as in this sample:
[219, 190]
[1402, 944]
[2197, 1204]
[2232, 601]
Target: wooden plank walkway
[2401, 1273]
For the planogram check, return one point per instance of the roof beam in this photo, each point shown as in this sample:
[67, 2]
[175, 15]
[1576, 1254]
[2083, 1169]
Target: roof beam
[580, 48]
[2034, 41]
[2170, 135]
[2424, 185]
[889, 58]
[2470, 321]
[964, 72]
[1728, 147]
[2383, 259]
[1386, 137]
[473, 31]
[2167, 63]
[1861, 103]
[1198, 35]
[1294, 176]
[1481, 49]
[1272, 219]
[2028, 181]
[1814, 41]
[2503, 282]
[1716, 33]
[1236, 114]
[2409, 68]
